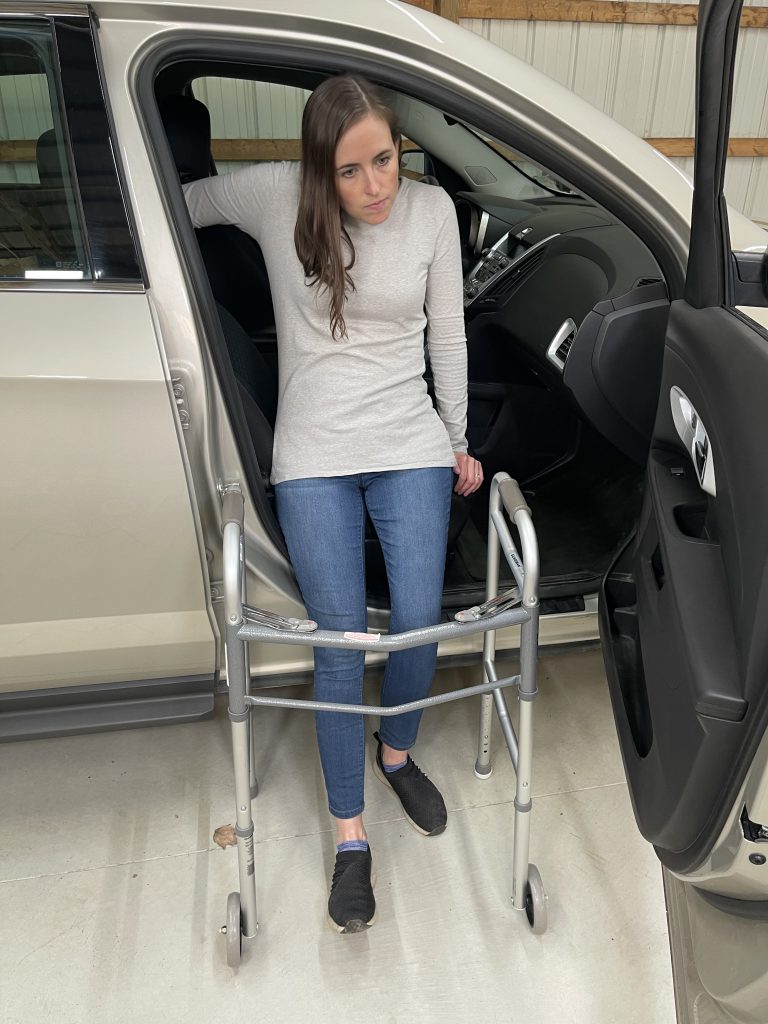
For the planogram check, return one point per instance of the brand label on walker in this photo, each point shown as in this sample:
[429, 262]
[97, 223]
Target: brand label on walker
[366, 638]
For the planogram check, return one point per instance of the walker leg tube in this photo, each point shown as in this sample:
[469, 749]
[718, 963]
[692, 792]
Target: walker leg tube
[523, 806]
[251, 739]
[252, 780]
[241, 758]
[507, 728]
[523, 803]
[483, 766]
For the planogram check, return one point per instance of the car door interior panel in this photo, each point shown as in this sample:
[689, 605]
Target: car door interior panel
[613, 366]
[684, 607]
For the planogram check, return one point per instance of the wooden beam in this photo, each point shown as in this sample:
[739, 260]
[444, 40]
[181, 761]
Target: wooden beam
[448, 9]
[265, 149]
[17, 151]
[256, 149]
[248, 150]
[598, 11]
[612, 11]
[736, 147]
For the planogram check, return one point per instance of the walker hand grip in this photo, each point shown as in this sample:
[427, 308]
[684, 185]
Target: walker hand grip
[232, 507]
[513, 498]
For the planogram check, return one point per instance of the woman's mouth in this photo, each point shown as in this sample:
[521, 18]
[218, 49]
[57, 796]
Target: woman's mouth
[375, 207]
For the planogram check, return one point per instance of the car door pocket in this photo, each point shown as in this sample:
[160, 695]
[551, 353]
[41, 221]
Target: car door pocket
[691, 608]
[695, 520]
[623, 657]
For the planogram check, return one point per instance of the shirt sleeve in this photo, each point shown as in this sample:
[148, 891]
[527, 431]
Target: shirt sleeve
[446, 340]
[240, 198]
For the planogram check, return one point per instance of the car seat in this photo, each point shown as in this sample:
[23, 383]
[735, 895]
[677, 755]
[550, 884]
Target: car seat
[233, 259]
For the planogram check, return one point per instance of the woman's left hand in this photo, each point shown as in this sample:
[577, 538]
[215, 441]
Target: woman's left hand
[470, 474]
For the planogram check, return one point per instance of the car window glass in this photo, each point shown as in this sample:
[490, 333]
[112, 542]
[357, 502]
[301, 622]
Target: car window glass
[251, 121]
[40, 232]
[746, 166]
[533, 182]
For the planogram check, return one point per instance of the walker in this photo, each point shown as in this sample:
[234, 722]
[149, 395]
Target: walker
[518, 606]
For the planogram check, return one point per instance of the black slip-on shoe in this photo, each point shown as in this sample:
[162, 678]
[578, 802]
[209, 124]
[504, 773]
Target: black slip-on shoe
[351, 905]
[423, 805]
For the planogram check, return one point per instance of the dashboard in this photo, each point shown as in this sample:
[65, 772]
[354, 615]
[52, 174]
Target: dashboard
[534, 269]
[559, 295]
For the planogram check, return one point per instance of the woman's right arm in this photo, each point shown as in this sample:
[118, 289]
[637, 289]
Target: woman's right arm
[240, 198]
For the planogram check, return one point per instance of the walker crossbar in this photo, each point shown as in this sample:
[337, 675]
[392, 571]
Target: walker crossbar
[379, 642]
[384, 712]
[246, 625]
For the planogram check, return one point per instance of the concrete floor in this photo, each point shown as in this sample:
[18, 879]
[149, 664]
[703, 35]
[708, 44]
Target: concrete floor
[112, 890]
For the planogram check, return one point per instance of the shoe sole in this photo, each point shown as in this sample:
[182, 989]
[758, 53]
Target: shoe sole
[381, 776]
[356, 925]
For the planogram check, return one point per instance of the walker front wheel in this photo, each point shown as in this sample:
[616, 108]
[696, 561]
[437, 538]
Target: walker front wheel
[535, 901]
[234, 930]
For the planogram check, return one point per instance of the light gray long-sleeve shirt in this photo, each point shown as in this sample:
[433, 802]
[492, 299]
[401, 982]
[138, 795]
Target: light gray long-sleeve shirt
[357, 404]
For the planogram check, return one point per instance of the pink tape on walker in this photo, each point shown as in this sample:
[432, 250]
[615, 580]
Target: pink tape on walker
[370, 638]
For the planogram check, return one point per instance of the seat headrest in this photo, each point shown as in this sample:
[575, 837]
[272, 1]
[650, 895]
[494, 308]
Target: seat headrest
[187, 124]
[48, 160]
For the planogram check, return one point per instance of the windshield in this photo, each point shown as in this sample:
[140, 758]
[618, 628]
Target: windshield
[534, 180]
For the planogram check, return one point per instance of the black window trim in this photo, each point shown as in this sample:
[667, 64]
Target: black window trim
[104, 275]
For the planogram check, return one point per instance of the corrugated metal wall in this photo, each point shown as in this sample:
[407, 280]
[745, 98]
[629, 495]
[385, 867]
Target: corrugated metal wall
[643, 76]
[25, 113]
[251, 110]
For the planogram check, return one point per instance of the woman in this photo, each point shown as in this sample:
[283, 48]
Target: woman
[360, 262]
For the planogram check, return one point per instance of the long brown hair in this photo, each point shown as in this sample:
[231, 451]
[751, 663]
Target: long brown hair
[336, 105]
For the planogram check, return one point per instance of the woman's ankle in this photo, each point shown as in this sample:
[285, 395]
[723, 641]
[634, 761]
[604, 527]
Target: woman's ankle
[348, 829]
[391, 756]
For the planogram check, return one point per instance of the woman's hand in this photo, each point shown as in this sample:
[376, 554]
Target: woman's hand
[470, 474]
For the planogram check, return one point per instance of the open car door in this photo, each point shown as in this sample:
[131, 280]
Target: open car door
[684, 610]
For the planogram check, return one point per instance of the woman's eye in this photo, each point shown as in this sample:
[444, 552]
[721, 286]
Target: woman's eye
[384, 160]
[348, 173]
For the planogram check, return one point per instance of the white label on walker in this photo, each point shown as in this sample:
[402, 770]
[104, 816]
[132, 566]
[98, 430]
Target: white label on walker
[369, 638]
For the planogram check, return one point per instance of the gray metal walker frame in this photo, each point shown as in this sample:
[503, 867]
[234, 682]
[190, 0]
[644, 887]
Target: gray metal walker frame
[519, 606]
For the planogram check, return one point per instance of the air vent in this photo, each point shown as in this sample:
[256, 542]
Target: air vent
[525, 265]
[564, 349]
[641, 282]
[560, 346]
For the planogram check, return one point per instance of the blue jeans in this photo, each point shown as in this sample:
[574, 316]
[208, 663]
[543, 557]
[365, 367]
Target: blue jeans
[323, 520]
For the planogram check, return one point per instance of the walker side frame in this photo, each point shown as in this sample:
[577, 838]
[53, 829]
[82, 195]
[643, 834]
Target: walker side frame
[244, 625]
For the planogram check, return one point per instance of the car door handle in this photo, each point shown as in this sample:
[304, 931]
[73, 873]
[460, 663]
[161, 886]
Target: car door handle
[694, 437]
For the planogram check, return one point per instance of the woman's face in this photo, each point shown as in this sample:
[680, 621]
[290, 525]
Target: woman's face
[367, 170]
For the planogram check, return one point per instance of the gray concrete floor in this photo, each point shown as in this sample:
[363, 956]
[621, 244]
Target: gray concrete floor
[112, 890]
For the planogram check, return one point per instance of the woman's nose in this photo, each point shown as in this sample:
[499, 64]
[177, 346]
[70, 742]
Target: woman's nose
[372, 186]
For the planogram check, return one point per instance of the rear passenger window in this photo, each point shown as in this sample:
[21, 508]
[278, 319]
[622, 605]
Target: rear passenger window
[40, 230]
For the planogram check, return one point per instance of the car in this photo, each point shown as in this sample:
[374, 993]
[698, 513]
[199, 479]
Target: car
[616, 329]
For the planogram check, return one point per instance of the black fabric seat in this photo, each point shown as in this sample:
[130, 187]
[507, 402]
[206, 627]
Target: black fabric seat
[256, 385]
[233, 259]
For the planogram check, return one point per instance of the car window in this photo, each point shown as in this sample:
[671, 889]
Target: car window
[533, 182]
[746, 168]
[251, 121]
[746, 172]
[41, 236]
